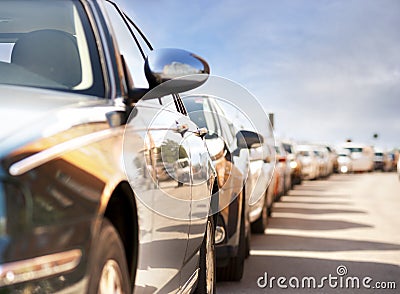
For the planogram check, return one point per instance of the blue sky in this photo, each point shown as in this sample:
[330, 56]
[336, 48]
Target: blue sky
[329, 70]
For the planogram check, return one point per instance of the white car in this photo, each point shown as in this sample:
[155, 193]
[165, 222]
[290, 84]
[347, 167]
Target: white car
[398, 167]
[362, 156]
[309, 160]
[345, 164]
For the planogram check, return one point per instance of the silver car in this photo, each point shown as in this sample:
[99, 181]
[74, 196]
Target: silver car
[105, 187]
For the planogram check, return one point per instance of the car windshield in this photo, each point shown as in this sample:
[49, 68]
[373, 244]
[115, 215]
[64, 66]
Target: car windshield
[48, 44]
[288, 148]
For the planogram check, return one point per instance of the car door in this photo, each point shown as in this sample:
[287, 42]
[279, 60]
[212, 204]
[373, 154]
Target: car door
[166, 194]
[162, 186]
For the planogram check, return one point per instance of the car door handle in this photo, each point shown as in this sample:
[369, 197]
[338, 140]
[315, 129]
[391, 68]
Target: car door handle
[201, 132]
[181, 128]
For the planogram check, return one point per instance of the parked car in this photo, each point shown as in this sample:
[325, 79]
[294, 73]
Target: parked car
[324, 162]
[362, 156]
[283, 169]
[88, 204]
[294, 162]
[398, 168]
[309, 161]
[229, 149]
[332, 159]
[393, 160]
[261, 168]
[382, 160]
[344, 161]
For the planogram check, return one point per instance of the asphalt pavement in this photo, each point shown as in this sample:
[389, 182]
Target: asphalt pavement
[337, 235]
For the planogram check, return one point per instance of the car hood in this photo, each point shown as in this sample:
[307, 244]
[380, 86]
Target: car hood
[27, 114]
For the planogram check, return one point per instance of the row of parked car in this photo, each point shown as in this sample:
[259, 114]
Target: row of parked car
[111, 187]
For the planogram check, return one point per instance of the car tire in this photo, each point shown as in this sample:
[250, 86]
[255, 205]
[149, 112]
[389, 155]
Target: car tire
[109, 272]
[270, 201]
[248, 241]
[207, 261]
[259, 226]
[234, 270]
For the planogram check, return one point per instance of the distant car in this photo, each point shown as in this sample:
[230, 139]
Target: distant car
[398, 168]
[362, 156]
[382, 160]
[309, 162]
[332, 159]
[379, 160]
[282, 168]
[393, 159]
[229, 150]
[344, 161]
[294, 162]
[88, 203]
[323, 160]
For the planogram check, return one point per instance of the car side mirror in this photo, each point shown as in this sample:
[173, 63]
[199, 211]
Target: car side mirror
[249, 139]
[167, 64]
[176, 69]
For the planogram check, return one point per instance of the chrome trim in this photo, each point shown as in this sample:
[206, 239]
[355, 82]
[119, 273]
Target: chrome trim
[38, 267]
[101, 40]
[20, 167]
[188, 286]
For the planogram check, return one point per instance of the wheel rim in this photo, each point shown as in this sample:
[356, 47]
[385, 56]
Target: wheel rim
[110, 280]
[210, 260]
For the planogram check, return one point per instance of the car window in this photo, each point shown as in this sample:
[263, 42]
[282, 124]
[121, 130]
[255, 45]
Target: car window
[127, 46]
[288, 148]
[226, 126]
[49, 44]
[200, 113]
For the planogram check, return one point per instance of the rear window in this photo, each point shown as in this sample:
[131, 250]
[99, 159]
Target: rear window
[355, 149]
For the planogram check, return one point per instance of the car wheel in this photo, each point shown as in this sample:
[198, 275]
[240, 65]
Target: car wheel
[207, 262]
[234, 270]
[270, 200]
[248, 241]
[259, 226]
[110, 271]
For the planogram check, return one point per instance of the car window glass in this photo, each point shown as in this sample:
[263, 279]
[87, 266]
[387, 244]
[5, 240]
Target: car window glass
[200, 113]
[49, 45]
[226, 126]
[210, 118]
[128, 47]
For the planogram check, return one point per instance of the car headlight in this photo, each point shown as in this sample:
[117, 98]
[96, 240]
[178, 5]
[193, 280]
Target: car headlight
[38, 267]
[293, 164]
[344, 169]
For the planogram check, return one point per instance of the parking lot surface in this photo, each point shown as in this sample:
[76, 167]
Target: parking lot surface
[341, 232]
